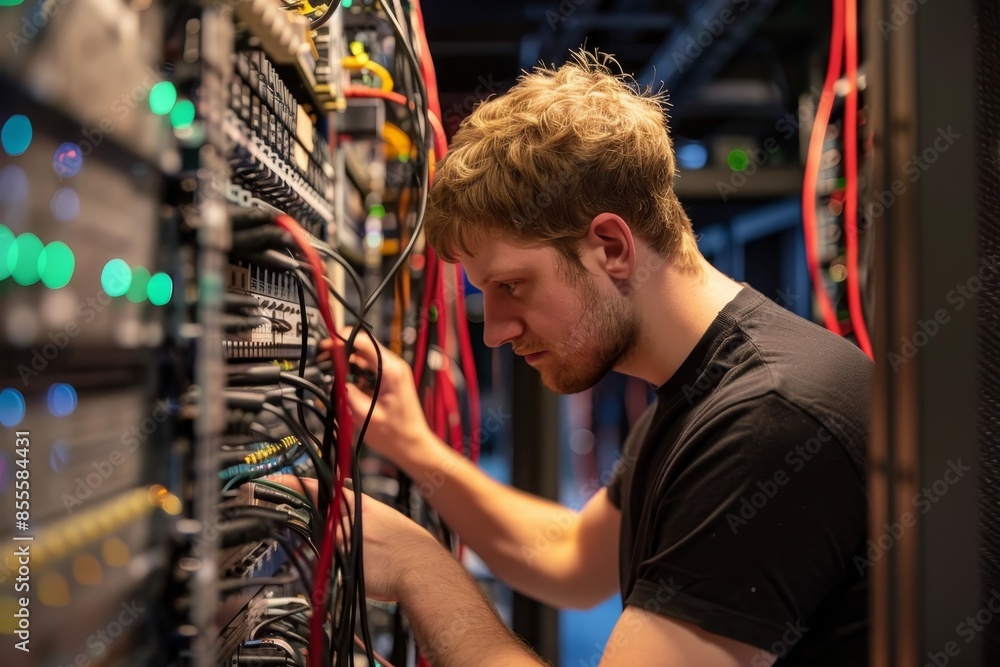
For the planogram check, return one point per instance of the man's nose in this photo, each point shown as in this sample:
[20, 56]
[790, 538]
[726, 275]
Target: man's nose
[499, 326]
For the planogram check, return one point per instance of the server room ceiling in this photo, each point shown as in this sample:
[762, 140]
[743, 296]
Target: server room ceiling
[755, 65]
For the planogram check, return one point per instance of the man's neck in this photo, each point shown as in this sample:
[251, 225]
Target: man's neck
[676, 309]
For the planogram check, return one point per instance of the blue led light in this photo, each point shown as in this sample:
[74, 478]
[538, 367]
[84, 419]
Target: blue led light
[11, 407]
[692, 155]
[16, 134]
[68, 160]
[62, 399]
[65, 204]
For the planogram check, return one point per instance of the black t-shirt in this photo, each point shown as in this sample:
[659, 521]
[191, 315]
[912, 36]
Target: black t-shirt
[742, 489]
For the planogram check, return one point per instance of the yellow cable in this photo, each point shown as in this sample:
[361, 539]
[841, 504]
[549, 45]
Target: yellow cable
[364, 62]
[398, 140]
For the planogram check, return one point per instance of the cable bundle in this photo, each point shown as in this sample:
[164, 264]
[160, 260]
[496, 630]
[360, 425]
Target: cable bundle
[296, 417]
[843, 42]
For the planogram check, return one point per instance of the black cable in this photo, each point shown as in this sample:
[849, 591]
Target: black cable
[305, 405]
[307, 285]
[349, 604]
[229, 585]
[285, 630]
[354, 575]
[272, 495]
[305, 573]
[327, 15]
[337, 257]
[323, 471]
[365, 631]
[303, 357]
[313, 388]
[279, 617]
[336, 295]
[425, 181]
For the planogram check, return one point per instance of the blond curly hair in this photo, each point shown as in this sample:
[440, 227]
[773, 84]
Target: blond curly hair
[539, 162]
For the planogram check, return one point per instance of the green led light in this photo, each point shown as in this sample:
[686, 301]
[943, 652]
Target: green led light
[10, 3]
[377, 211]
[162, 98]
[116, 277]
[137, 290]
[6, 241]
[841, 183]
[346, 4]
[22, 259]
[182, 115]
[160, 289]
[56, 264]
[15, 135]
[737, 159]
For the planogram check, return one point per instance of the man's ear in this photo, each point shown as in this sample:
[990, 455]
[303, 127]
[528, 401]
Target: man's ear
[610, 239]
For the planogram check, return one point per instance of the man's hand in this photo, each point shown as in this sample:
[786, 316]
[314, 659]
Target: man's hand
[398, 425]
[454, 623]
[394, 546]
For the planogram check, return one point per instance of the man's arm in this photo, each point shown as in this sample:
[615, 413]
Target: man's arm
[540, 548]
[452, 622]
[643, 638]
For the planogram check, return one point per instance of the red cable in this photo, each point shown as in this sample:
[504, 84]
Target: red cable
[454, 416]
[468, 364]
[423, 325]
[440, 139]
[427, 65]
[851, 166]
[440, 412]
[345, 438]
[467, 356]
[813, 163]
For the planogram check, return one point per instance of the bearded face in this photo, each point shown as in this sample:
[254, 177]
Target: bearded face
[588, 345]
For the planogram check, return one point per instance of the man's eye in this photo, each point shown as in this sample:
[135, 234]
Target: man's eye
[509, 286]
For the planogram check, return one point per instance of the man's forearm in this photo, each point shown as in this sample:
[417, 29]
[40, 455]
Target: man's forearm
[519, 536]
[453, 622]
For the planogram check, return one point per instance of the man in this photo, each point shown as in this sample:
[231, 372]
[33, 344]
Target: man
[740, 501]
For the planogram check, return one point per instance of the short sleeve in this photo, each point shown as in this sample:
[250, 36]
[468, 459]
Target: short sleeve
[630, 450]
[751, 523]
